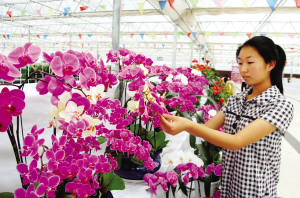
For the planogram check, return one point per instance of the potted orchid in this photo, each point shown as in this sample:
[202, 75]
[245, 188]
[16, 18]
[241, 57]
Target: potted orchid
[80, 115]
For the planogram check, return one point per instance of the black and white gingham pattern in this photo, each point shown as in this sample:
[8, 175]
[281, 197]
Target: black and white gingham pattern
[253, 171]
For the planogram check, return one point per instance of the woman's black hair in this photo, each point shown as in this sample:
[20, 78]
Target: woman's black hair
[269, 51]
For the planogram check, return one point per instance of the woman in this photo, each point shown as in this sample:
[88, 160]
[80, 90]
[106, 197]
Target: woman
[255, 121]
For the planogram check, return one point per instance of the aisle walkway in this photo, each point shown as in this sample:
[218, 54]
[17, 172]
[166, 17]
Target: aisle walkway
[288, 186]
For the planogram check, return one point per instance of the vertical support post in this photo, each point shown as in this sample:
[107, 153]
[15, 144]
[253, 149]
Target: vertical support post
[98, 57]
[291, 74]
[192, 51]
[116, 31]
[175, 44]
[199, 56]
[29, 34]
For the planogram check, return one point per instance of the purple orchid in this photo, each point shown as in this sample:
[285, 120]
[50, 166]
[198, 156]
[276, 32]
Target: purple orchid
[30, 174]
[42, 85]
[218, 169]
[148, 62]
[8, 72]
[172, 177]
[5, 120]
[123, 51]
[210, 168]
[73, 187]
[29, 193]
[163, 184]
[87, 78]
[149, 163]
[12, 101]
[22, 56]
[139, 59]
[48, 185]
[54, 159]
[135, 85]
[57, 87]
[186, 178]
[85, 191]
[112, 56]
[103, 167]
[31, 146]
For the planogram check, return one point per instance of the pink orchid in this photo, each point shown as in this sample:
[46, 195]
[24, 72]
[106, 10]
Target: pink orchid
[172, 177]
[29, 193]
[64, 65]
[22, 56]
[87, 78]
[48, 185]
[8, 72]
[139, 59]
[112, 56]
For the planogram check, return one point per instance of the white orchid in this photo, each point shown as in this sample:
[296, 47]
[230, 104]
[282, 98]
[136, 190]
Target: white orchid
[91, 131]
[181, 157]
[65, 97]
[170, 78]
[146, 71]
[95, 93]
[54, 114]
[183, 79]
[171, 159]
[196, 72]
[133, 105]
[71, 112]
[212, 112]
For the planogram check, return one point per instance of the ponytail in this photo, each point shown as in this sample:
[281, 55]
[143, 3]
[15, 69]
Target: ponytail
[277, 71]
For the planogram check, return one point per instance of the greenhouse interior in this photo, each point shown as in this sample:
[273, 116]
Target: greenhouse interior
[86, 86]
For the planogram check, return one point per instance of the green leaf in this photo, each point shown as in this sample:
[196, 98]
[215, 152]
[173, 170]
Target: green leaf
[116, 183]
[171, 95]
[199, 118]
[186, 115]
[160, 138]
[136, 162]
[6, 195]
[207, 184]
[119, 160]
[193, 141]
[163, 145]
[117, 92]
[182, 186]
[101, 139]
[69, 196]
[107, 177]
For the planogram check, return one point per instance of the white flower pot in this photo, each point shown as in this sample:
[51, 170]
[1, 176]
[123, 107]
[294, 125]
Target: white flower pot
[200, 190]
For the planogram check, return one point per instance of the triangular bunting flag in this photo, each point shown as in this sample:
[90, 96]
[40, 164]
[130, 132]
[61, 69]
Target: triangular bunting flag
[153, 35]
[235, 34]
[222, 46]
[89, 35]
[297, 3]
[181, 45]
[190, 46]
[69, 44]
[262, 34]
[63, 35]
[249, 35]
[80, 35]
[131, 35]
[110, 35]
[30, 35]
[221, 33]
[277, 35]
[82, 8]
[142, 35]
[39, 13]
[38, 36]
[202, 46]
[16, 36]
[189, 34]
[291, 36]
[207, 34]
[130, 45]
[219, 3]
[9, 13]
[23, 13]
[123, 45]
[172, 46]
[102, 6]
[166, 35]
[272, 3]
[140, 5]
[22, 35]
[122, 7]
[50, 11]
[178, 35]
[147, 45]
[194, 34]
[71, 35]
[162, 4]
[67, 11]
[194, 3]
[245, 2]
[7, 35]
[212, 46]
[171, 3]
[121, 35]
[100, 35]
[154, 45]
[163, 45]
[82, 45]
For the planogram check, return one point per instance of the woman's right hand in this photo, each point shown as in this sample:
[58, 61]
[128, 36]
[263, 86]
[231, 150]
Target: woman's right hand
[173, 124]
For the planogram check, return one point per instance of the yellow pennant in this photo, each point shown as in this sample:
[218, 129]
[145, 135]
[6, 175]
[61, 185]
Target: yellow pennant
[50, 11]
[16, 36]
[207, 34]
[141, 7]
[245, 2]
[277, 35]
[153, 35]
[100, 35]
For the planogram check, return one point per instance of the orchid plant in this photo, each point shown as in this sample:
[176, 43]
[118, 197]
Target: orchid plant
[80, 114]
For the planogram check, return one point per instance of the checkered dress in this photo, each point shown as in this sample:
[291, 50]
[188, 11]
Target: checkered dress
[253, 171]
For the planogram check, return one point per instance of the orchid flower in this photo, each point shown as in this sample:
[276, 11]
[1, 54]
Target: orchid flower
[72, 111]
[21, 56]
[8, 72]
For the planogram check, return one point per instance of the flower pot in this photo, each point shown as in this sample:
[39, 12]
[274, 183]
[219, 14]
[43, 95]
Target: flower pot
[200, 190]
[107, 195]
[132, 171]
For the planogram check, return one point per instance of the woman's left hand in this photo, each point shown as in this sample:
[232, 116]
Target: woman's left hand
[173, 124]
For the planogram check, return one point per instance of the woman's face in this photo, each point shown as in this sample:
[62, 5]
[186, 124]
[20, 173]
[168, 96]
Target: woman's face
[252, 66]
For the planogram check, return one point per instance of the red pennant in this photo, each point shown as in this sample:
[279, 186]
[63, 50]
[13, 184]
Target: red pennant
[297, 3]
[38, 36]
[9, 13]
[4, 36]
[154, 45]
[80, 35]
[249, 35]
[171, 4]
[82, 45]
[189, 34]
[53, 44]
[82, 8]
[131, 35]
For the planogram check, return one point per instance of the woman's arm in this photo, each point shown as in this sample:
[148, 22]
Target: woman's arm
[250, 134]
